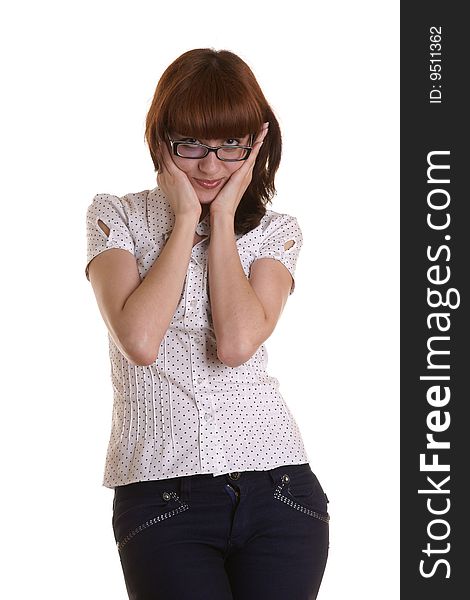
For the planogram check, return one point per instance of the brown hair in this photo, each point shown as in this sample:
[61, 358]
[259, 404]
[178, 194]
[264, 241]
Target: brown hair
[206, 94]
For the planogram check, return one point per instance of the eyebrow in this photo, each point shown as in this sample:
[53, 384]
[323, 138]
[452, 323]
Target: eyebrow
[186, 137]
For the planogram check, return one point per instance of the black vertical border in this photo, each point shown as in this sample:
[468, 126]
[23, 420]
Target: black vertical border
[427, 127]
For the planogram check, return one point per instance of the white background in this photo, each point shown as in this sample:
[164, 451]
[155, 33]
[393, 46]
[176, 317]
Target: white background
[77, 80]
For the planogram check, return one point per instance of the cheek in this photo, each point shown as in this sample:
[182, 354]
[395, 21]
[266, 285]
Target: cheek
[232, 167]
[182, 164]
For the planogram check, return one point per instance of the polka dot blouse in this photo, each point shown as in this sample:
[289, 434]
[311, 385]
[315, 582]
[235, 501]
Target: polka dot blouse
[188, 413]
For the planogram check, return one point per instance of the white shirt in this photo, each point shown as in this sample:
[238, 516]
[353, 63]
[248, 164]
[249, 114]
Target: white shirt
[188, 413]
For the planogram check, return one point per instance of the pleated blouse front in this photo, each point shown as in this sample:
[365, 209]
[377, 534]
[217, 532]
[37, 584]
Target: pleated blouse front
[188, 413]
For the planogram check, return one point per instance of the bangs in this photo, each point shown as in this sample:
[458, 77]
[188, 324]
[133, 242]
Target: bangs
[212, 107]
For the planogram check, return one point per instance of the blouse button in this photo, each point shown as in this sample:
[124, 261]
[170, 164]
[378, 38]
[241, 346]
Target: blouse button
[193, 303]
[208, 417]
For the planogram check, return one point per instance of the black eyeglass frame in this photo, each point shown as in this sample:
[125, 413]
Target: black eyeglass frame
[176, 143]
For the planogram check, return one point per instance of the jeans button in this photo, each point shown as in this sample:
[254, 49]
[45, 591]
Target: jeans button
[166, 496]
[285, 478]
[234, 476]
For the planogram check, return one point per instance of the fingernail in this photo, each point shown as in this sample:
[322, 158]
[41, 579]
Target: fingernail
[266, 124]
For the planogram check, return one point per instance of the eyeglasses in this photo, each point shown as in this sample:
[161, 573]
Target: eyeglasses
[197, 150]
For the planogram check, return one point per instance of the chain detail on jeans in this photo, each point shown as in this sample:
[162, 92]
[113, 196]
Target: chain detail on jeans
[289, 502]
[181, 508]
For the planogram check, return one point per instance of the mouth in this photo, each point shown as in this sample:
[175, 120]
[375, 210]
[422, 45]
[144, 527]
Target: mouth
[208, 184]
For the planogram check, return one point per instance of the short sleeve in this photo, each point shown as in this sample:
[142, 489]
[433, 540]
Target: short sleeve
[282, 241]
[108, 210]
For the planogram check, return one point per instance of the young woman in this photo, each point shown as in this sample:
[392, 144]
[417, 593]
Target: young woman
[214, 495]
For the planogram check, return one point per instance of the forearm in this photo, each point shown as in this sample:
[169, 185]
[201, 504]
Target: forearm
[238, 315]
[147, 312]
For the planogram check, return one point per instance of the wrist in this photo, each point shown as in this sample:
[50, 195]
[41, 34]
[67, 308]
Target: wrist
[187, 221]
[219, 215]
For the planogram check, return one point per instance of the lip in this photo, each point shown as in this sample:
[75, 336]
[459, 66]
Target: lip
[208, 184]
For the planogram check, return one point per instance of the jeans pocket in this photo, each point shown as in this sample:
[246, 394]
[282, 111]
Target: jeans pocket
[140, 508]
[298, 487]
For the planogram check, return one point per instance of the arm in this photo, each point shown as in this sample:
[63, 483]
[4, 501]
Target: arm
[137, 313]
[244, 312]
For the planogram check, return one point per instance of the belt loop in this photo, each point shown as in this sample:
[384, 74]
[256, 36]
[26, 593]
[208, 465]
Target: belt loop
[185, 488]
[274, 474]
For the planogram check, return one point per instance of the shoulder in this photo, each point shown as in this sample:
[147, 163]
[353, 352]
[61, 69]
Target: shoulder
[272, 217]
[274, 223]
[130, 204]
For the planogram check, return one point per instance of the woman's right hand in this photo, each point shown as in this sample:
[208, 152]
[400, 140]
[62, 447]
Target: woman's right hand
[176, 186]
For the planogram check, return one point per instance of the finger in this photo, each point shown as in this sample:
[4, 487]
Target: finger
[170, 164]
[249, 163]
[165, 155]
[262, 133]
[161, 158]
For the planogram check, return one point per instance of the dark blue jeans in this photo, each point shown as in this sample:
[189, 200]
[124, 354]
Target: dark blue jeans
[251, 535]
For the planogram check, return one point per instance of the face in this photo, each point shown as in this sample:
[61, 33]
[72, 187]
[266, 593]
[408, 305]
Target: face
[208, 175]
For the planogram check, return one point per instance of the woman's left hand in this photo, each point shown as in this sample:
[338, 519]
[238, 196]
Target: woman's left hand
[228, 199]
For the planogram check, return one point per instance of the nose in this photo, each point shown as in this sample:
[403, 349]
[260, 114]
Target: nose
[209, 164]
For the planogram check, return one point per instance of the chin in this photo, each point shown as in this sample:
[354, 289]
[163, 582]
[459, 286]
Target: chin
[206, 197]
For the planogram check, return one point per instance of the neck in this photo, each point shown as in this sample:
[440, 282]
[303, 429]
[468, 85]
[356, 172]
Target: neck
[204, 212]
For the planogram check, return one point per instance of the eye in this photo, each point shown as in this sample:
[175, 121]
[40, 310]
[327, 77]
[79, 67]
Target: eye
[231, 142]
[190, 140]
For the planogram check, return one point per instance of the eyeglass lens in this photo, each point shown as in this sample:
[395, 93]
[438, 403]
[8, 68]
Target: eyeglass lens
[194, 151]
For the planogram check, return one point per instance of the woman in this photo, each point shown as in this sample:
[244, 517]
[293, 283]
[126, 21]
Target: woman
[214, 495]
